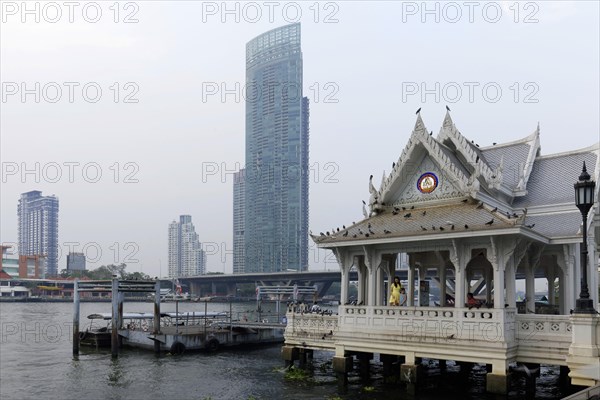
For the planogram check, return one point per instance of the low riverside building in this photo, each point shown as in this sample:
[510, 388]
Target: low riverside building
[476, 218]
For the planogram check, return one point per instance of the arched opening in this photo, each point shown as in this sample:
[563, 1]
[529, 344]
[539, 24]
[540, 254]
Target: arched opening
[479, 275]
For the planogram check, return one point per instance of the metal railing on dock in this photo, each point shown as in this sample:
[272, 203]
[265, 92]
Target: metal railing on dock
[585, 394]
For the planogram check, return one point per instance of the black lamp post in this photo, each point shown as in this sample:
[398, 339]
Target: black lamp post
[584, 199]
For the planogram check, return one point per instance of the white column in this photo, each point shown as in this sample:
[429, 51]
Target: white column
[422, 277]
[550, 276]
[362, 277]
[568, 279]
[372, 288]
[360, 267]
[593, 265]
[577, 270]
[459, 262]
[345, 262]
[390, 271]
[380, 294]
[510, 282]
[411, 286]
[562, 304]
[488, 284]
[460, 291]
[499, 286]
[442, 275]
[372, 260]
[344, 285]
[529, 290]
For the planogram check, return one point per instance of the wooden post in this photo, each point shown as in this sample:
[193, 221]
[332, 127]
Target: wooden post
[76, 317]
[121, 299]
[230, 338]
[114, 338]
[156, 329]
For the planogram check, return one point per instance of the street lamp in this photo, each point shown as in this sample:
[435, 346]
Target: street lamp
[584, 199]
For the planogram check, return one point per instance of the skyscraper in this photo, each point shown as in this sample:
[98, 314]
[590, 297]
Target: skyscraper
[239, 204]
[75, 262]
[186, 257]
[276, 211]
[38, 228]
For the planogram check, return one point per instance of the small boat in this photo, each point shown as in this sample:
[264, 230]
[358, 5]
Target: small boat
[98, 335]
[175, 297]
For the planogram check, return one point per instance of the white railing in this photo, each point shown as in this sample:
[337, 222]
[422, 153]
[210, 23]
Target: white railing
[314, 327]
[426, 323]
[543, 338]
[468, 333]
[556, 328]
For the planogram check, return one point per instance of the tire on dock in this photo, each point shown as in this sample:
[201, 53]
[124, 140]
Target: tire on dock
[212, 345]
[177, 348]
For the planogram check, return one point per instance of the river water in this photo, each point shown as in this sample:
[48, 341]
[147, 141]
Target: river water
[36, 362]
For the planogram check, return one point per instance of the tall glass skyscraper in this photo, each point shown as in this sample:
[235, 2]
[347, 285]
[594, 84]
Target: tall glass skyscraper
[276, 210]
[38, 228]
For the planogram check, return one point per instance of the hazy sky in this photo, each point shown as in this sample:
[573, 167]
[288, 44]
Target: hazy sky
[160, 140]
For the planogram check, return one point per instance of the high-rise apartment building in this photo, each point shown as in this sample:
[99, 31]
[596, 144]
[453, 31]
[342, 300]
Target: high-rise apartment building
[276, 176]
[38, 228]
[76, 262]
[239, 204]
[186, 257]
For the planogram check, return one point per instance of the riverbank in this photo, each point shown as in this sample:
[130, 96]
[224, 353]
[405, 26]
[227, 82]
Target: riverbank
[35, 299]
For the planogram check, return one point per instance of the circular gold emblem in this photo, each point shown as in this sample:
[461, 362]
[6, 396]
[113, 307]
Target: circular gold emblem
[427, 182]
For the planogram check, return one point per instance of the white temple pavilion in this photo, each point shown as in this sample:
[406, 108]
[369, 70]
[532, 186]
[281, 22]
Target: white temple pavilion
[475, 218]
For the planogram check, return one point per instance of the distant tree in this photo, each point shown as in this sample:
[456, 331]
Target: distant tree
[107, 271]
[118, 270]
[65, 273]
[137, 276]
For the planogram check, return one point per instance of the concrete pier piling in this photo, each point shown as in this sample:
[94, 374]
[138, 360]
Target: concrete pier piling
[442, 364]
[563, 377]
[289, 355]
[341, 366]
[531, 371]
[388, 360]
[411, 375]
[498, 380]
[364, 364]
[302, 353]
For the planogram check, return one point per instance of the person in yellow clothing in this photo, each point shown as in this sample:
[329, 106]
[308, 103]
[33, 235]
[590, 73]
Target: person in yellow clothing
[395, 289]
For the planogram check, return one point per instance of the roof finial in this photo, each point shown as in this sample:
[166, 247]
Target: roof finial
[584, 174]
[447, 120]
[419, 125]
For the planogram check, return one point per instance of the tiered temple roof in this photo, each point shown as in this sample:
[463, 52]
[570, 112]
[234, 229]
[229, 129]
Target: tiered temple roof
[446, 186]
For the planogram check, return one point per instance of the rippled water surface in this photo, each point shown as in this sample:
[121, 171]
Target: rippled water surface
[36, 362]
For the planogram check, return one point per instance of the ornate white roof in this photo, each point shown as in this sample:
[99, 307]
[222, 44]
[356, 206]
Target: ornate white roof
[448, 182]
